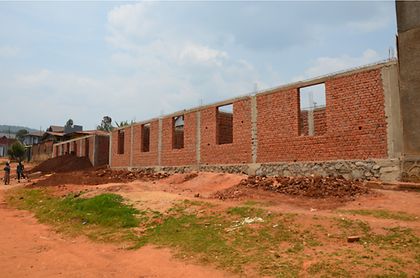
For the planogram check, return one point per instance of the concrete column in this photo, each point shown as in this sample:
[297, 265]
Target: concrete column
[160, 142]
[389, 76]
[198, 137]
[408, 22]
[94, 150]
[80, 147]
[311, 124]
[131, 145]
[254, 129]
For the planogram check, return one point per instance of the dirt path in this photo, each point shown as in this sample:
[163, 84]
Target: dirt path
[31, 249]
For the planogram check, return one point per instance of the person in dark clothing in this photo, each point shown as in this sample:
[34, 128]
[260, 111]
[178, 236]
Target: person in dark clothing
[7, 174]
[19, 170]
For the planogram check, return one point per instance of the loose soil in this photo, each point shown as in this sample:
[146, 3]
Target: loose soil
[316, 212]
[65, 163]
[30, 249]
[95, 176]
[316, 187]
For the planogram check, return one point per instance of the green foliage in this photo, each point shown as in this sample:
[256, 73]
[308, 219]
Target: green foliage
[123, 123]
[21, 133]
[106, 124]
[17, 151]
[69, 123]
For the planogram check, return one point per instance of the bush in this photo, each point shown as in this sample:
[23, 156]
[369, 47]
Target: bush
[17, 151]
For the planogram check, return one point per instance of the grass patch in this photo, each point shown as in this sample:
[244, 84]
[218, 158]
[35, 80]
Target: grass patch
[101, 215]
[384, 214]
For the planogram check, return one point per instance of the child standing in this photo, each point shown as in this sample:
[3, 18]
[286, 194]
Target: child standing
[7, 174]
[19, 170]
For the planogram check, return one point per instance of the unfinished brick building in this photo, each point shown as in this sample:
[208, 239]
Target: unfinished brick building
[355, 134]
[95, 147]
[357, 127]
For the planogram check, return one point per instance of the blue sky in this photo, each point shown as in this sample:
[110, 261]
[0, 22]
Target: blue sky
[138, 60]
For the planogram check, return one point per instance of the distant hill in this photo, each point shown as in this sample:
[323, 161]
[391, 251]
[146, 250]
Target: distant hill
[14, 129]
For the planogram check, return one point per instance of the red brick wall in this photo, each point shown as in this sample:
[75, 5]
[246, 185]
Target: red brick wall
[42, 151]
[146, 158]
[121, 160]
[320, 122]
[355, 122]
[186, 155]
[237, 152]
[102, 150]
[352, 126]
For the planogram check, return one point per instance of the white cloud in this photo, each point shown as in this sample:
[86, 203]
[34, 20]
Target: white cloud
[326, 65]
[177, 67]
[8, 51]
[202, 54]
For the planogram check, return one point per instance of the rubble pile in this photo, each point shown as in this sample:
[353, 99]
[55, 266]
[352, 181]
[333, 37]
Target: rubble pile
[312, 187]
[127, 176]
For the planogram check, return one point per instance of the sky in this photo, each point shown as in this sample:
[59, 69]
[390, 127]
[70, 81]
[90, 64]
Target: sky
[139, 60]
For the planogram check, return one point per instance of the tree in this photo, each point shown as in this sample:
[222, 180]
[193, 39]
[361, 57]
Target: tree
[69, 123]
[20, 134]
[106, 124]
[123, 123]
[17, 151]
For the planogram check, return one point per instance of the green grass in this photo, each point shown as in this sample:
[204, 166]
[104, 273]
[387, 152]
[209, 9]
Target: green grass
[104, 214]
[384, 214]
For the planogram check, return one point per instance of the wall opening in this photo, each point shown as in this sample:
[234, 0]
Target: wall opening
[74, 148]
[224, 131]
[120, 141]
[178, 132]
[87, 147]
[145, 137]
[312, 116]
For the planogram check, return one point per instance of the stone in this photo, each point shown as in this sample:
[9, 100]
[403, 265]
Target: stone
[351, 239]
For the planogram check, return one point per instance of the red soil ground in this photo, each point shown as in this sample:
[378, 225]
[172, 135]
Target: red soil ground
[31, 249]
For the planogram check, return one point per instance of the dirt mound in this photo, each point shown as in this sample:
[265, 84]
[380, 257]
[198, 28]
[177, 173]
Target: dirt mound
[98, 176]
[313, 187]
[65, 163]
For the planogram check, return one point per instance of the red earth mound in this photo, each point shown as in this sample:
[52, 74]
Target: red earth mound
[65, 163]
[98, 176]
[313, 187]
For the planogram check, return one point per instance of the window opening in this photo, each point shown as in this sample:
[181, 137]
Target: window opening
[312, 116]
[145, 137]
[121, 141]
[225, 124]
[178, 132]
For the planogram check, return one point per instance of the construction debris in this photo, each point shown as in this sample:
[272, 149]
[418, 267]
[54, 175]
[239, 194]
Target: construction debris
[313, 187]
[99, 176]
